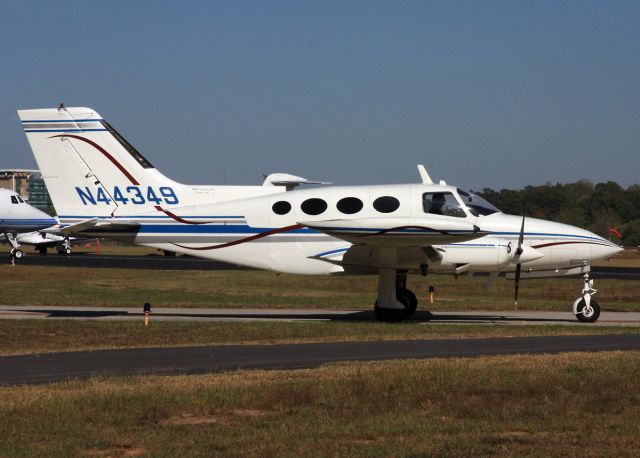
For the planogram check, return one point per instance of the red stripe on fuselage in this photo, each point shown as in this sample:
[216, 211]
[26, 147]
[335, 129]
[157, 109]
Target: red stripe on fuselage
[177, 218]
[244, 240]
[399, 228]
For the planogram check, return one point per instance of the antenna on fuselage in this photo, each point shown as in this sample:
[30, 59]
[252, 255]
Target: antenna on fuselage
[424, 175]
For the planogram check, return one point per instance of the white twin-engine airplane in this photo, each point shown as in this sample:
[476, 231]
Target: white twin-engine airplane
[17, 216]
[102, 186]
[42, 240]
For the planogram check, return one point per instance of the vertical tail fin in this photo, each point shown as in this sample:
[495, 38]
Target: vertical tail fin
[91, 170]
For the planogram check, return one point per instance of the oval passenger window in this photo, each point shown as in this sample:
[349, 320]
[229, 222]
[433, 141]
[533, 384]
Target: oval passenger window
[349, 205]
[386, 204]
[313, 206]
[281, 208]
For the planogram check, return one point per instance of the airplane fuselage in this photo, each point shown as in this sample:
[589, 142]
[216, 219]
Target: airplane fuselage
[263, 230]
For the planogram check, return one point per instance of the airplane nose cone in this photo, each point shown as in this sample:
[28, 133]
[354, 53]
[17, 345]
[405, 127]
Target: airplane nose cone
[604, 249]
[610, 251]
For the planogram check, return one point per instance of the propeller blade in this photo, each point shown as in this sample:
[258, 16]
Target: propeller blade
[517, 257]
[517, 284]
[521, 237]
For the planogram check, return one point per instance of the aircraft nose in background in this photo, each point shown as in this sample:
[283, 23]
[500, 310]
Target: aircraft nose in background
[40, 218]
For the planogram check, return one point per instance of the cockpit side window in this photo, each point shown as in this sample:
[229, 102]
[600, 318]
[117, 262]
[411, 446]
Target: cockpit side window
[442, 203]
[476, 204]
[14, 200]
[20, 200]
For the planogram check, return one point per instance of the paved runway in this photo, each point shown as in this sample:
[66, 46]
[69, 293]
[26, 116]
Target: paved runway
[190, 263]
[52, 367]
[520, 317]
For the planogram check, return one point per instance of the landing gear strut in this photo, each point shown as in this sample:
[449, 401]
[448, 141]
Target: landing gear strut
[65, 248]
[15, 247]
[395, 302]
[586, 308]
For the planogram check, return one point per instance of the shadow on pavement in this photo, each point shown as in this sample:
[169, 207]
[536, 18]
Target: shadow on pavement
[363, 316]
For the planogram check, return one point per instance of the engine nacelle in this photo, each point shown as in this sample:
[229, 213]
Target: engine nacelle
[477, 257]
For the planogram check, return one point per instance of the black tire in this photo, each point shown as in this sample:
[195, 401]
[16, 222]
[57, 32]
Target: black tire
[410, 300]
[407, 298]
[592, 315]
[18, 253]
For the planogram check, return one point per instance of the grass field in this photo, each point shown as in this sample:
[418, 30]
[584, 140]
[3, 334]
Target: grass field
[39, 285]
[41, 336]
[553, 405]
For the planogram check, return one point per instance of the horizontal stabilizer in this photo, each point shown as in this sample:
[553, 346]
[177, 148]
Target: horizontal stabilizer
[80, 227]
[398, 231]
[95, 224]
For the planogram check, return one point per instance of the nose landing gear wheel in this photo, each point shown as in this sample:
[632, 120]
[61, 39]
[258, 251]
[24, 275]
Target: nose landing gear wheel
[17, 253]
[407, 298]
[588, 313]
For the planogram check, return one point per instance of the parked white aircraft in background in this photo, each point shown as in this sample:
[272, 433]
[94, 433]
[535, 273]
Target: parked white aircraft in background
[42, 240]
[102, 186]
[18, 216]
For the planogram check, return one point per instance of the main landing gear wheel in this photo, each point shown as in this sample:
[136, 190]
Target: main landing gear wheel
[588, 313]
[64, 251]
[17, 253]
[406, 298]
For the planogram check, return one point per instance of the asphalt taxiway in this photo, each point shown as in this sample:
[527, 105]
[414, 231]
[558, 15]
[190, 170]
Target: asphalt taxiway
[53, 367]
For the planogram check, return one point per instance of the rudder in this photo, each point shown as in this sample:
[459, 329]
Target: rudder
[91, 170]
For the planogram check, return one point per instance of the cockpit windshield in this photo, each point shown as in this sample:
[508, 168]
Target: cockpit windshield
[476, 204]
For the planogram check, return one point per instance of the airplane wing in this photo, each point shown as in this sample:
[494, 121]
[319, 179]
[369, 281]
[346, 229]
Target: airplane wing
[398, 232]
[412, 243]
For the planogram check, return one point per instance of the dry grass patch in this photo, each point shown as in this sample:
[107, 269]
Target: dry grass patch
[549, 405]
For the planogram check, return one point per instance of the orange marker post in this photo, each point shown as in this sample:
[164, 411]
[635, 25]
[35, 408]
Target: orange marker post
[147, 312]
[431, 291]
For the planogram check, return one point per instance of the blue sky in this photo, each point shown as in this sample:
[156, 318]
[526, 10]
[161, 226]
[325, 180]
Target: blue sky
[485, 93]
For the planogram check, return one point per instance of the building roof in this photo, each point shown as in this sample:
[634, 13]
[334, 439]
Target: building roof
[9, 172]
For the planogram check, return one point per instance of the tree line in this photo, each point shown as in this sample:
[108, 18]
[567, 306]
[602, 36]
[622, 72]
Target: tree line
[598, 208]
